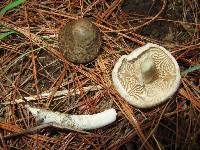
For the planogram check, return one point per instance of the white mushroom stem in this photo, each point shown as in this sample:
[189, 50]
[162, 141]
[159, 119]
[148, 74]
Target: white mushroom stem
[148, 70]
[82, 122]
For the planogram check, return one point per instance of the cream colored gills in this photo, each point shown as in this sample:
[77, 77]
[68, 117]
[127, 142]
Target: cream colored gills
[146, 77]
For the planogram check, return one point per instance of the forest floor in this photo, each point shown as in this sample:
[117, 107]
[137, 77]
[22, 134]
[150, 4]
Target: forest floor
[31, 64]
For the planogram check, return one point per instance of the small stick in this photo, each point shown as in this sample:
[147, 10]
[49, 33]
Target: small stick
[2, 141]
[40, 127]
[57, 94]
[27, 131]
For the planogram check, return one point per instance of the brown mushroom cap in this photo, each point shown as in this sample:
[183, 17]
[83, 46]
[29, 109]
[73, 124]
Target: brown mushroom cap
[147, 76]
[80, 41]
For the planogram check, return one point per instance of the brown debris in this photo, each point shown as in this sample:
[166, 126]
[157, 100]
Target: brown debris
[31, 64]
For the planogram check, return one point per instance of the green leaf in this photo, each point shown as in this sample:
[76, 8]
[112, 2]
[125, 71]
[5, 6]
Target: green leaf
[6, 34]
[11, 6]
[197, 67]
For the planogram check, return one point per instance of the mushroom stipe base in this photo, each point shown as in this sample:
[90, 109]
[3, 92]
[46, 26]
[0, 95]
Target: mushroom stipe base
[147, 76]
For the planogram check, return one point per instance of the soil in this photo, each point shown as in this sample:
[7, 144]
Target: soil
[161, 30]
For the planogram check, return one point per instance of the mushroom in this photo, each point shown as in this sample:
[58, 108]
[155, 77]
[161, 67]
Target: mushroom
[147, 76]
[80, 122]
[80, 41]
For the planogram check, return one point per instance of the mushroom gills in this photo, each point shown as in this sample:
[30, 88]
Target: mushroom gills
[146, 77]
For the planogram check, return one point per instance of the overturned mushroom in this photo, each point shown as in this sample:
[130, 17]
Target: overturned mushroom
[81, 122]
[147, 76]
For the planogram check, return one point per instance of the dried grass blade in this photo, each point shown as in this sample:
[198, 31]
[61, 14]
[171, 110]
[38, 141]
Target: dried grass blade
[191, 69]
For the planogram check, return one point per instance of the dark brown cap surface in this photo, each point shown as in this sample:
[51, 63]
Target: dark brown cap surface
[80, 41]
